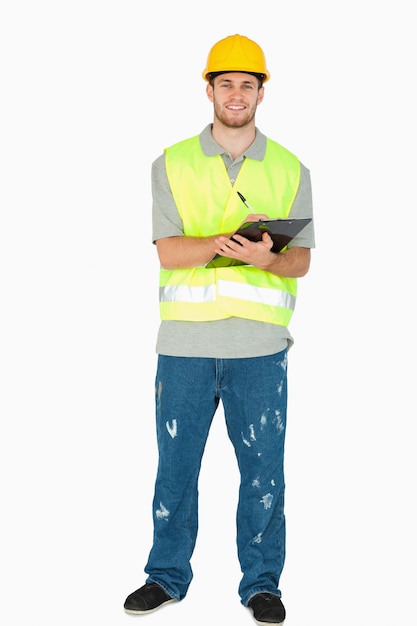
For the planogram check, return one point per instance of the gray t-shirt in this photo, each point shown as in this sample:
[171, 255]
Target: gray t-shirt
[232, 337]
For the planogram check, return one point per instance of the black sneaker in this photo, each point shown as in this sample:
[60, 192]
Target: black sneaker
[148, 598]
[267, 609]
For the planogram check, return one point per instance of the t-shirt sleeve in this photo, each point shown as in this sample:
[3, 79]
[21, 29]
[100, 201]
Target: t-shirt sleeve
[303, 207]
[166, 221]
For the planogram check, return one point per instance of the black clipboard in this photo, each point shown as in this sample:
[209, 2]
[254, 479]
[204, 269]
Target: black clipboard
[281, 231]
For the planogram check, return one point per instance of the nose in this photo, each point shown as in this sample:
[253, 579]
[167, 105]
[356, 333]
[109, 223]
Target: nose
[236, 93]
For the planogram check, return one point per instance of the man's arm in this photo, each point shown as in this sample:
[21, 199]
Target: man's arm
[293, 263]
[183, 252]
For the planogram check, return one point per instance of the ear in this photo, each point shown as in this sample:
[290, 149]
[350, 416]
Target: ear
[209, 92]
[261, 94]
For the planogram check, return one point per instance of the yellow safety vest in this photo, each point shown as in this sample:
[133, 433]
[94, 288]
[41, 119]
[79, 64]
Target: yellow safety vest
[208, 205]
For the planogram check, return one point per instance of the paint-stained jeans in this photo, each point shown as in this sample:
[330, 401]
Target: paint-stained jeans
[254, 396]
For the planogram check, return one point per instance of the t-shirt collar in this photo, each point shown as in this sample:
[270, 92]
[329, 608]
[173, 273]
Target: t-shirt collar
[210, 146]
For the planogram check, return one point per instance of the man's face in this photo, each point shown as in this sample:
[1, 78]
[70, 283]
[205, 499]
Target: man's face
[235, 97]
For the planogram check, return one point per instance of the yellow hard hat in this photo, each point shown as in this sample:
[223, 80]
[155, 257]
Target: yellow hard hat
[236, 53]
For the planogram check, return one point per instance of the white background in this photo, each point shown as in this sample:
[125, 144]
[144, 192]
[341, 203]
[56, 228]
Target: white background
[91, 92]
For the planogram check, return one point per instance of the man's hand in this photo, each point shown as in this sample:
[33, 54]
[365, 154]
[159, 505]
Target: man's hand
[244, 250]
[253, 253]
[292, 263]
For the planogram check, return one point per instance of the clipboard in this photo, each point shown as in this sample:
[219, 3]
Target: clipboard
[280, 230]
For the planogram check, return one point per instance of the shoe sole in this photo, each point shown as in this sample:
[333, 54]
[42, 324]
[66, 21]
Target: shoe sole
[134, 612]
[269, 623]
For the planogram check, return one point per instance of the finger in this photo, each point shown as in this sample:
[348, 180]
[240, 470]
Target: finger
[239, 239]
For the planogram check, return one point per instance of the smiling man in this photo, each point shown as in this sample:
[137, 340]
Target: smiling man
[235, 100]
[224, 333]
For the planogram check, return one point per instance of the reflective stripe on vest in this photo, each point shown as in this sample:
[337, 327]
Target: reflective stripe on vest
[208, 208]
[187, 293]
[227, 293]
[262, 295]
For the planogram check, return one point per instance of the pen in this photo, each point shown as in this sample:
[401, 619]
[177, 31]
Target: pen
[251, 209]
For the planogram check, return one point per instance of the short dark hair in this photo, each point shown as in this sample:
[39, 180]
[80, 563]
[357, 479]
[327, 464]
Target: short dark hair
[213, 75]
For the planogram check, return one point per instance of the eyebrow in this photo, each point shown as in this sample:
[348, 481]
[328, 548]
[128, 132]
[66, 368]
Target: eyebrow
[243, 82]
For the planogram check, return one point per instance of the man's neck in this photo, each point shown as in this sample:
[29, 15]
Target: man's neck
[234, 140]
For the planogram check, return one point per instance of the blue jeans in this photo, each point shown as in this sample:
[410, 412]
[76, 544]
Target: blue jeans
[253, 392]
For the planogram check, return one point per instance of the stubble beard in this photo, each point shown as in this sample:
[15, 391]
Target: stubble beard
[229, 122]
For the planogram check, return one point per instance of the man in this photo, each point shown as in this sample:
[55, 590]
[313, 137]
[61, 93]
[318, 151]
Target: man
[224, 332]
